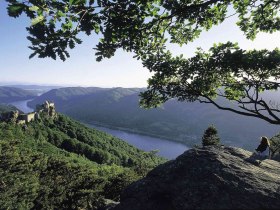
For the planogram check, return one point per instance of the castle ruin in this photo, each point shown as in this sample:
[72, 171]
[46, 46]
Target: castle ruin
[15, 117]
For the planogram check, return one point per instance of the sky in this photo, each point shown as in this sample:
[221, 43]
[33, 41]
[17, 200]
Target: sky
[81, 69]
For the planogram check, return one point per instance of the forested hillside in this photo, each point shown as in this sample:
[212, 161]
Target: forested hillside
[61, 164]
[184, 122]
[11, 94]
[6, 108]
[38, 89]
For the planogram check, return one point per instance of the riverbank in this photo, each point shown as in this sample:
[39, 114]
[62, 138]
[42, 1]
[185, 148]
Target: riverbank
[190, 142]
[165, 148]
[22, 105]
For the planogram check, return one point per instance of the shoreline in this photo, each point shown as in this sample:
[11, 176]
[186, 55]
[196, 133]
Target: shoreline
[132, 131]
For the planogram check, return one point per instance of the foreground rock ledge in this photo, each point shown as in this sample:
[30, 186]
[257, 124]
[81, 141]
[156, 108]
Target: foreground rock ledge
[207, 178]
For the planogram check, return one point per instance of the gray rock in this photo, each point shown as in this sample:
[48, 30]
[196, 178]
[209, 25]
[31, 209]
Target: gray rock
[212, 177]
[108, 204]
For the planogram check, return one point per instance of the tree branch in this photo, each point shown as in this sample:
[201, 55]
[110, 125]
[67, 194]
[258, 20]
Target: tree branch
[257, 115]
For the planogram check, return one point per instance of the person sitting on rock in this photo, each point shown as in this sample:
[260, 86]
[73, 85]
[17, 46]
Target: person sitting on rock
[264, 148]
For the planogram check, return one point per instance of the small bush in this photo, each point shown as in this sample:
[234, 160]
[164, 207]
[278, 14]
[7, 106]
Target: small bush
[210, 136]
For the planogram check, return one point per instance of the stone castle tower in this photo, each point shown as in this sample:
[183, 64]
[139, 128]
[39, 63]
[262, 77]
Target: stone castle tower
[16, 117]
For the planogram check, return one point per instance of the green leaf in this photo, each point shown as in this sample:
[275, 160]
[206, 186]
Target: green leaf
[99, 58]
[67, 26]
[61, 14]
[32, 55]
[71, 44]
[76, 2]
[37, 20]
[15, 10]
[34, 8]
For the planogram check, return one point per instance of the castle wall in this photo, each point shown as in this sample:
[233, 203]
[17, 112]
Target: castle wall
[21, 122]
[30, 117]
[15, 117]
[27, 117]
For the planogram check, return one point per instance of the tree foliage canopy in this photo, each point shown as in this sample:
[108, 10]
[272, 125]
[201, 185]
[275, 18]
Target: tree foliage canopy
[145, 27]
[61, 164]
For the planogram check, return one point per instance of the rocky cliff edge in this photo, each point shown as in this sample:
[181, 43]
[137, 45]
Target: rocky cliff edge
[214, 177]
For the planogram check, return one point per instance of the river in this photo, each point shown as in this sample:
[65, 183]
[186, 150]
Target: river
[22, 105]
[167, 149]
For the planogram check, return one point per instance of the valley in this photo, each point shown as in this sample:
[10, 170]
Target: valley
[118, 108]
[139, 105]
[165, 148]
[117, 111]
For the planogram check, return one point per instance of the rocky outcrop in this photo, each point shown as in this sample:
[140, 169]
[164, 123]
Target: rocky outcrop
[207, 178]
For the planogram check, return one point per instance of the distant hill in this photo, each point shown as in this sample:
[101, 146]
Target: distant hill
[7, 108]
[58, 163]
[38, 89]
[32, 87]
[11, 94]
[184, 122]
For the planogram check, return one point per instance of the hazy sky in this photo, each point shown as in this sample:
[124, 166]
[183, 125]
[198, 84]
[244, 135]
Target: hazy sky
[82, 69]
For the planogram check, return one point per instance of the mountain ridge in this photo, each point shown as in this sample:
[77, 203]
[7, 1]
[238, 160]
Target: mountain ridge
[11, 94]
[183, 122]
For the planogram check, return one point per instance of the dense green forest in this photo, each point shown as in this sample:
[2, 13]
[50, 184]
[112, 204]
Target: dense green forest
[61, 164]
[184, 122]
[11, 94]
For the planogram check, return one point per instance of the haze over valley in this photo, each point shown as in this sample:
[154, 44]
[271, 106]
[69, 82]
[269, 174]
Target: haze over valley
[118, 108]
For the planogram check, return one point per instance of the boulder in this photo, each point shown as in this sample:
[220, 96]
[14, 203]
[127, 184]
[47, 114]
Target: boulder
[213, 177]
